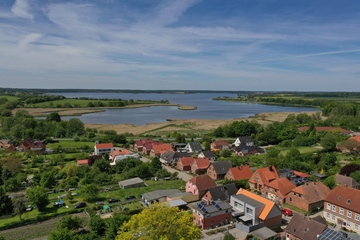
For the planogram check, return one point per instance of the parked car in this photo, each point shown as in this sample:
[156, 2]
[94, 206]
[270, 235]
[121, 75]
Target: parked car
[80, 205]
[128, 198]
[287, 212]
[29, 208]
[113, 200]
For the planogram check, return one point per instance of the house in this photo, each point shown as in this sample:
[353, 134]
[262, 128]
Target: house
[102, 148]
[219, 145]
[262, 176]
[244, 140]
[238, 173]
[277, 189]
[216, 214]
[341, 206]
[30, 144]
[194, 147]
[84, 162]
[184, 163]
[244, 150]
[139, 144]
[132, 183]
[148, 145]
[208, 154]
[218, 170]
[158, 196]
[326, 129]
[200, 165]
[308, 197]
[119, 154]
[346, 181]
[158, 149]
[253, 211]
[220, 193]
[305, 228]
[198, 185]
[170, 157]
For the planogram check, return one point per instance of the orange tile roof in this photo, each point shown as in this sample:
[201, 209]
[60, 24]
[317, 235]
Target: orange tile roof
[356, 138]
[312, 191]
[220, 143]
[268, 203]
[265, 174]
[300, 174]
[202, 163]
[346, 197]
[119, 152]
[283, 185]
[104, 145]
[187, 161]
[241, 172]
[161, 148]
[203, 182]
[83, 162]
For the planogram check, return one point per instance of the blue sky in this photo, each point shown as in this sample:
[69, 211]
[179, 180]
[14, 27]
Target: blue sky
[269, 45]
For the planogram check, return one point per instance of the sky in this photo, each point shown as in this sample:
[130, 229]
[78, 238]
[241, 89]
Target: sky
[239, 45]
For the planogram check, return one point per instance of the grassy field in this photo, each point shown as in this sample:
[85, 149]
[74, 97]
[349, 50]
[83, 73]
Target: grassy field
[9, 98]
[70, 144]
[302, 150]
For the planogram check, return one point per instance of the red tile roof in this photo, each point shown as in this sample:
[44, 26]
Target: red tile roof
[220, 143]
[202, 163]
[356, 138]
[283, 185]
[267, 174]
[115, 153]
[104, 145]
[187, 161]
[203, 182]
[161, 148]
[83, 162]
[300, 174]
[241, 172]
[346, 197]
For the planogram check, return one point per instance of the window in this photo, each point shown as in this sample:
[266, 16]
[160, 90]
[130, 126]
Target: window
[356, 227]
[334, 208]
[328, 206]
[357, 216]
[290, 199]
[328, 215]
[249, 211]
[349, 214]
[333, 217]
[341, 211]
[347, 224]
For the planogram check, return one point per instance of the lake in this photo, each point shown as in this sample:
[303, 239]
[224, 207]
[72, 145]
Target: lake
[206, 108]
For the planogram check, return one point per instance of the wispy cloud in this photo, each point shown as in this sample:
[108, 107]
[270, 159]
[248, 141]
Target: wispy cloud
[21, 9]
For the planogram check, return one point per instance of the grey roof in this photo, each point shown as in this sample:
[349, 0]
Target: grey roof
[150, 196]
[221, 167]
[223, 192]
[176, 203]
[347, 181]
[244, 139]
[246, 149]
[169, 156]
[131, 181]
[304, 227]
[209, 209]
[264, 233]
[195, 146]
[248, 200]
[209, 154]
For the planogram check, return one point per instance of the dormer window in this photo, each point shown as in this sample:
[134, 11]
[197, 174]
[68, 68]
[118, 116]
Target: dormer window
[339, 198]
[348, 201]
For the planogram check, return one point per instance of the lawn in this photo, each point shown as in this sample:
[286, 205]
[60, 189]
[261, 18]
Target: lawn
[302, 150]
[69, 144]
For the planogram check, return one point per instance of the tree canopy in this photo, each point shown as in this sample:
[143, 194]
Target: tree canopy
[160, 222]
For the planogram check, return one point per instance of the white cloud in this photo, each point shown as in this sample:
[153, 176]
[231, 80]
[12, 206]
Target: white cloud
[30, 38]
[21, 9]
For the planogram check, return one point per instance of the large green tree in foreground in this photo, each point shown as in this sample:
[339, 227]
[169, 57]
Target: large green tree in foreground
[160, 222]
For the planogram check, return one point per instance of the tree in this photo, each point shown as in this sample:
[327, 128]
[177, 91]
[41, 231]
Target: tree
[69, 196]
[97, 225]
[330, 182]
[226, 153]
[19, 206]
[349, 168]
[328, 143]
[70, 223]
[114, 223]
[90, 192]
[160, 221]
[155, 165]
[228, 236]
[54, 116]
[5, 203]
[48, 179]
[356, 176]
[38, 196]
[63, 234]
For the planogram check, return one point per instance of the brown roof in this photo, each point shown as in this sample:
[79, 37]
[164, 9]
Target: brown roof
[312, 191]
[346, 181]
[203, 182]
[329, 129]
[115, 153]
[202, 163]
[83, 162]
[304, 227]
[241, 172]
[220, 143]
[283, 185]
[267, 174]
[348, 198]
[356, 138]
[186, 161]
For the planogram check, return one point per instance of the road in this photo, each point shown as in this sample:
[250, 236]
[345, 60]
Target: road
[182, 175]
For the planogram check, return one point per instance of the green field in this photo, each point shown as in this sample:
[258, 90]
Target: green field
[302, 150]
[70, 144]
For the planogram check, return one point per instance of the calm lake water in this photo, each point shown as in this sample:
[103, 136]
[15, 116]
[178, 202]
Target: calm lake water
[206, 108]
